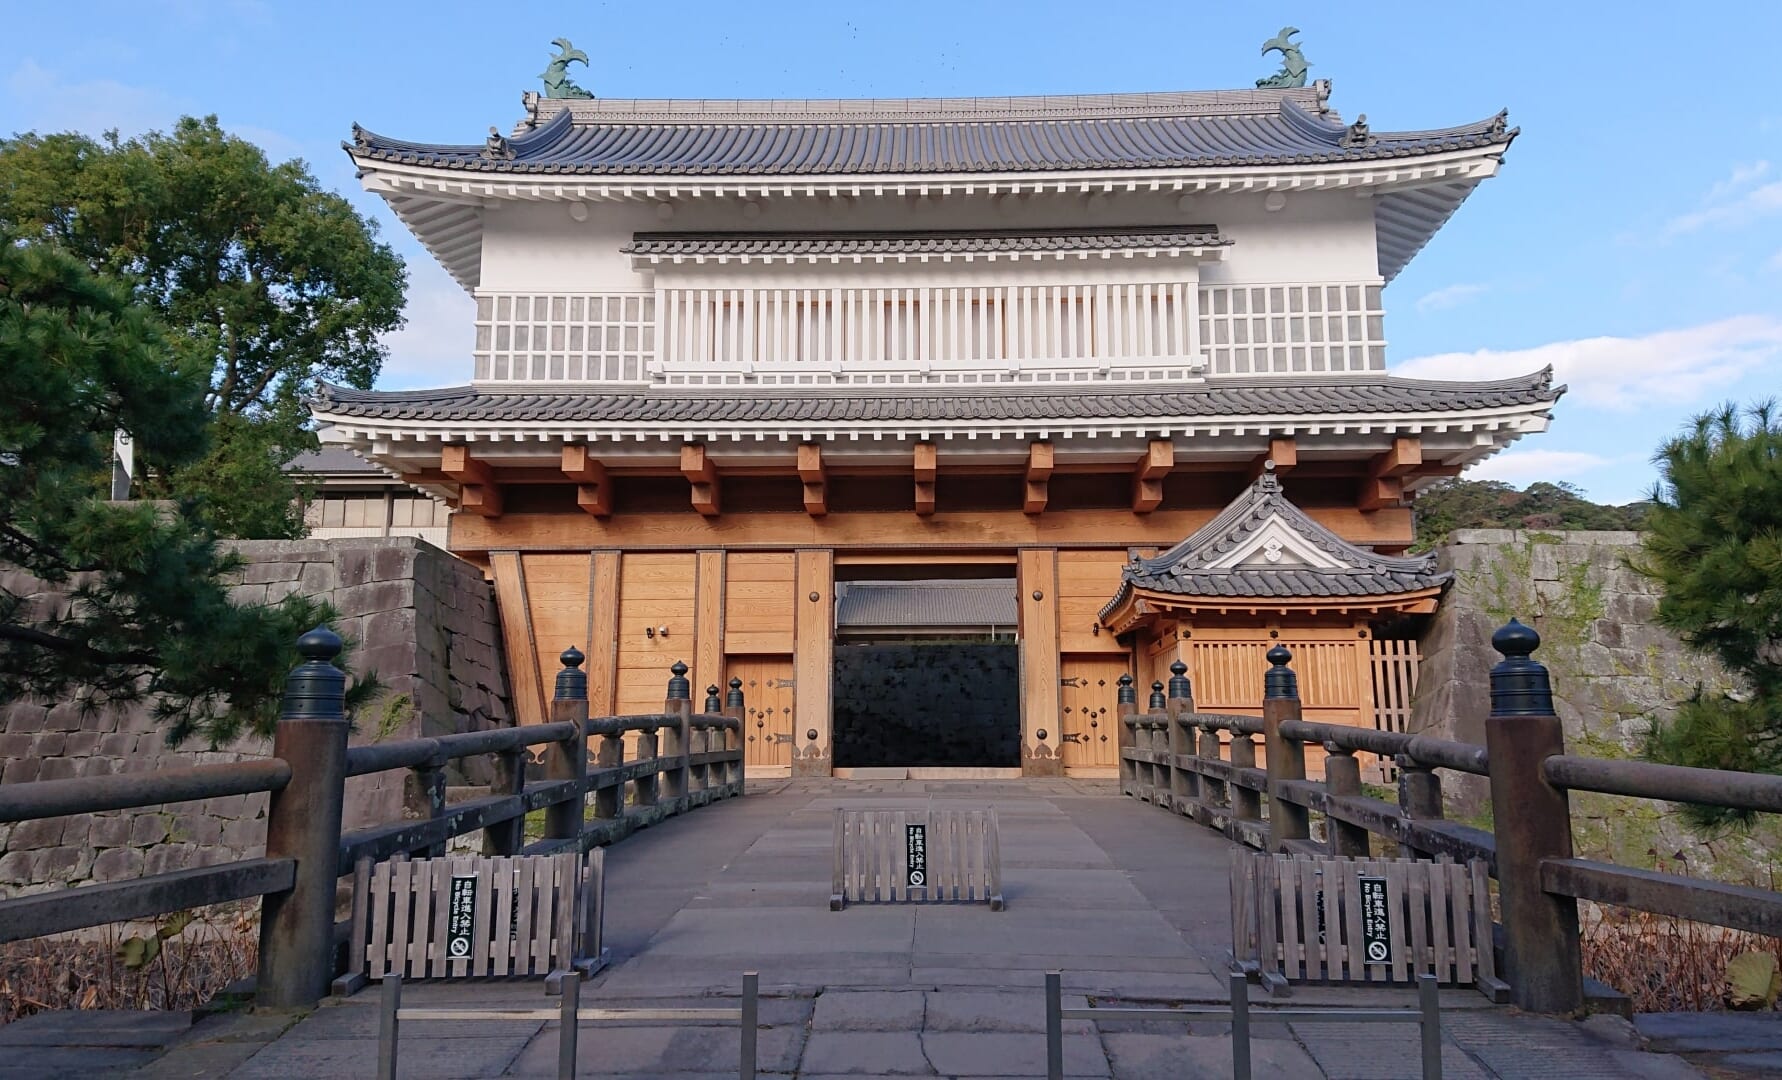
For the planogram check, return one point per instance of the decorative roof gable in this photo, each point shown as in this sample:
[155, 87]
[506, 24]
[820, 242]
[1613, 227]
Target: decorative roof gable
[1262, 546]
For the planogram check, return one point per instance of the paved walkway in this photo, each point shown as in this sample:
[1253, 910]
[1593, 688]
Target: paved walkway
[1129, 902]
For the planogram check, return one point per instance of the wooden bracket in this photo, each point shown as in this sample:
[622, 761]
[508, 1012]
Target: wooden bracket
[594, 492]
[1147, 476]
[810, 472]
[1039, 473]
[927, 466]
[702, 475]
[477, 491]
[1406, 456]
[1283, 452]
[1379, 492]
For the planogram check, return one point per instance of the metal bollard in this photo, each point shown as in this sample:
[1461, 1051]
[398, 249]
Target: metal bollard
[388, 1025]
[569, 1020]
[1240, 1026]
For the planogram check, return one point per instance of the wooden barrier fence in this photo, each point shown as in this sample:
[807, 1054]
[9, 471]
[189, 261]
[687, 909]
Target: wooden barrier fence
[1261, 797]
[682, 760]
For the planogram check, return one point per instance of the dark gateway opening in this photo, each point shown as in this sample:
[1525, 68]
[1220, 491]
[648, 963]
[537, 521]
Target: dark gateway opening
[948, 702]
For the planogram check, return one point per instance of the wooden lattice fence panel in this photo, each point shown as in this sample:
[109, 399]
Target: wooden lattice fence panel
[877, 858]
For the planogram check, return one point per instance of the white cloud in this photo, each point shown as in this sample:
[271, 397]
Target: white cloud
[1736, 200]
[43, 101]
[1622, 374]
[1450, 296]
[1774, 262]
[434, 348]
[1520, 467]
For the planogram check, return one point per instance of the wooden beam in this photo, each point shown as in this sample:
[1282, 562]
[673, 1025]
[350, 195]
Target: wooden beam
[478, 493]
[1405, 456]
[927, 464]
[810, 473]
[1147, 476]
[1039, 472]
[1380, 492]
[702, 476]
[1283, 452]
[594, 491]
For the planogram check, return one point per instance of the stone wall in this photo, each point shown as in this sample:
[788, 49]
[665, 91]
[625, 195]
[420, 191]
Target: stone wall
[1614, 671]
[423, 620]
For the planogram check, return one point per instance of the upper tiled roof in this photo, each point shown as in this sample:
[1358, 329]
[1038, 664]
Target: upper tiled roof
[1231, 557]
[935, 136]
[1333, 395]
[668, 245]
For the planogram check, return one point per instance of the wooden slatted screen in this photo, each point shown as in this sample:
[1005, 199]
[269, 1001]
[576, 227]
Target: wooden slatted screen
[532, 915]
[1301, 918]
[964, 857]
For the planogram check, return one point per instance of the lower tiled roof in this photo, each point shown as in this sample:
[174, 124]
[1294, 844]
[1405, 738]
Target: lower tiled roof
[1312, 396]
[891, 604]
[973, 241]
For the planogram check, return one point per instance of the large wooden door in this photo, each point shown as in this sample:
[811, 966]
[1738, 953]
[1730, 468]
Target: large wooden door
[1091, 720]
[767, 709]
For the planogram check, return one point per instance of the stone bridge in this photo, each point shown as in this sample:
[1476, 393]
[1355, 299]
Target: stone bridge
[1130, 903]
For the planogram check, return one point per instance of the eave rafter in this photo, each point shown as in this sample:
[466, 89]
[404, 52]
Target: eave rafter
[1140, 606]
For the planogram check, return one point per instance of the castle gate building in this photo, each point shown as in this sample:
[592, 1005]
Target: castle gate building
[929, 419]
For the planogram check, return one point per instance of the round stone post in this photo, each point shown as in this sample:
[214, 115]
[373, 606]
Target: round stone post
[1125, 712]
[1180, 738]
[1286, 758]
[1532, 822]
[676, 741]
[733, 738]
[303, 823]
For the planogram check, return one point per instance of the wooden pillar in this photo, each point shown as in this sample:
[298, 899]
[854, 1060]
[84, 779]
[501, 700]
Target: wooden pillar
[813, 663]
[708, 620]
[1037, 582]
[603, 635]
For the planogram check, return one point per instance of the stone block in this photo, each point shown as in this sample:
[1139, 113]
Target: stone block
[245, 835]
[118, 864]
[278, 590]
[373, 597]
[15, 745]
[81, 743]
[163, 858]
[38, 833]
[58, 769]
[98, 766]
[117, 744]
[22, 718]
[15, 867]
[262, 573]
[352, 565]
[148, 828]
[63, 864]
[101, 720]
[49, 743]
[317, 579]
[20, 771]
[108, 830]
[394, 562]
[74, 833]
[247, 595]
[389, 626]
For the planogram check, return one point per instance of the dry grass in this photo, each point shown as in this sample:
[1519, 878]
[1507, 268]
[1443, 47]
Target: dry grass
[1665, 964]
[217, 949]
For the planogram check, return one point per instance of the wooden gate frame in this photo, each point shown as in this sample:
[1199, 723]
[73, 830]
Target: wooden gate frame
[552, 907]
[871, 863]
[1276, 900]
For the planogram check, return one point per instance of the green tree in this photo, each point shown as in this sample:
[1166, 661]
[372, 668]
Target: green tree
[138, 608]
[1714, 542]
[265, 282]
[1491, 504]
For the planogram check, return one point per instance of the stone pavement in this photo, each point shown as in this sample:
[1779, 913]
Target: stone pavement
[1130, 903]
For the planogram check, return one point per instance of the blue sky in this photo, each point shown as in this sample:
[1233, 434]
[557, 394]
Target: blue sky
[1633, 239]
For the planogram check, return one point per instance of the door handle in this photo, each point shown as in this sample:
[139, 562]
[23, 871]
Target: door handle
[1073, 738]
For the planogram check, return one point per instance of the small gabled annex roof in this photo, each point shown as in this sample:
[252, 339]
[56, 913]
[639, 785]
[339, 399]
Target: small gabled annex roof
[1263, 552]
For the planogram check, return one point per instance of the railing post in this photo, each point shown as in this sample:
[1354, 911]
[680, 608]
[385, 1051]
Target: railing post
[644, 788]
[733, 737]
[1286, 757]
[568, 759]
[1155, 719]
[676, 742]
[1180, 704]
[508, 778]
[1419, 795]
[1126, 705]
[424, 799]
[303, 823]
[609, 801]
[702, 740]
[1246, 805]
[1532, 822]
[1212, 789]
[1342, 776]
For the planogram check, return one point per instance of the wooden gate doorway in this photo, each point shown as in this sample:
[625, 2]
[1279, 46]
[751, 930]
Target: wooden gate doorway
[767, 686]
[1090, 741]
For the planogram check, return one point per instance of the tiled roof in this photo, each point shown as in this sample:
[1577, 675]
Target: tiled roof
[1004, 135]
[665, 244]
[1323, 396]
[891, 604]
[1213, 563]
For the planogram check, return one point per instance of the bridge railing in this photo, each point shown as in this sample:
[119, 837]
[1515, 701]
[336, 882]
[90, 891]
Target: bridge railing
[680, 760]
[1208, 766]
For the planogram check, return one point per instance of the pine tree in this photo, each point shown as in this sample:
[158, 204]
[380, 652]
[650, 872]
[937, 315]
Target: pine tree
[1714, 542]
[139, 607]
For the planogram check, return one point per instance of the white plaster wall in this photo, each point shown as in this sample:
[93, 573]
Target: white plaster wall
[538, 247]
